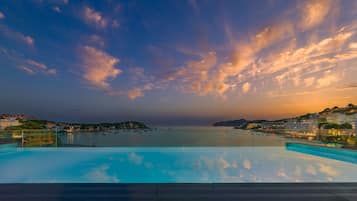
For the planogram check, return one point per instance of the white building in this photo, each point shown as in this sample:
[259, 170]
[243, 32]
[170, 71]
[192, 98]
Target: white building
[7, 122]
[339, 118]
[304, 126]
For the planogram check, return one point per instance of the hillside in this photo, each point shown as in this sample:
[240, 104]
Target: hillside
[232, 123]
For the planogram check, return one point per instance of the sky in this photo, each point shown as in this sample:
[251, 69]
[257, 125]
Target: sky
[176, 62]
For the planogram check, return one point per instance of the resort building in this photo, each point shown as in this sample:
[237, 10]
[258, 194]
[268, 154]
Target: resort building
[303, 126]
[7, 122]
[340, 118]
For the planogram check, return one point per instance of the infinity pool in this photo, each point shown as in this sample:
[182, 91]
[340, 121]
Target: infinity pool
[169, 165]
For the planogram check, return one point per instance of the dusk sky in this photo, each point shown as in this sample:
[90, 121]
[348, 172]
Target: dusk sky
[176, 62]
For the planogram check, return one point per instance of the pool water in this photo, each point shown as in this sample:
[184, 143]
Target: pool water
[169, 165]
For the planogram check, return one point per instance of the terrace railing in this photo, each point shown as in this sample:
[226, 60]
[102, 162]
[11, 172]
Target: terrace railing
[30, 137]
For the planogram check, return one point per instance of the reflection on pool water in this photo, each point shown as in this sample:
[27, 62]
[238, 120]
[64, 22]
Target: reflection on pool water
[169, 165]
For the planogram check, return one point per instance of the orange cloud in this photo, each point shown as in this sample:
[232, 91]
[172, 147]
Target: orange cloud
[193, 76]
[314, 13]
[98, 66]
[273, 55]
[309, 81]
[246, 87]
[353, 45]
[327, 79]
[136, 92]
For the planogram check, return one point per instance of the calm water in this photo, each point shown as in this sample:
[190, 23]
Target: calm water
[169, 165]
[174, 136]
[174, 155]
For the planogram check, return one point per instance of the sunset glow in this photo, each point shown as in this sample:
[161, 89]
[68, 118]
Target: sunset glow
[173, 62]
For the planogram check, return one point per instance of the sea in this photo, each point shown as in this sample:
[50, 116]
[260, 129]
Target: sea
[173, 136]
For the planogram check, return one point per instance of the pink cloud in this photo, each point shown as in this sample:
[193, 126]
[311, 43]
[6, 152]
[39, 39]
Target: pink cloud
[96, 18]
[32, 67]
[93, 17]
[37, 64]
[136, 92]
[27, 39]
[98, 66]
[314, 13]
[2, 15]
[27, 70]
[17, 36]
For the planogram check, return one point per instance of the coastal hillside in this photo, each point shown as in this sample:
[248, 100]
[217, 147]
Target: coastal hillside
[19, 122]
[324, 115]
[232, 123]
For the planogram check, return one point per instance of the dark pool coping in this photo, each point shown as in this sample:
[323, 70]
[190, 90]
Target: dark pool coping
[180, 192]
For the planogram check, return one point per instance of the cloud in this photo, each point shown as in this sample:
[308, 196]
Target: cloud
[32, 67]
[224, 77]
[314, 13]
[309, 81]
[94, 40]
[98, 66]
[246, 87]
[136, 92]
[56, 9]
[27, 39]
[353, 45]
[349, 86]
[9, 33]
[27, 70]
[115, 24]
[93, 17]
[193, 76]
[2, 15]
[327, 79]
[287, 53]
[96, 18]
[272, 34]
[36, 64]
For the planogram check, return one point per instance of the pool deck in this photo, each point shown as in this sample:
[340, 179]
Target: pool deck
[180, 192]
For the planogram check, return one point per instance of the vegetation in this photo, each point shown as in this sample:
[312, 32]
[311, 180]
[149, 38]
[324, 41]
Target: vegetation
[42, 124]
[335, 126]
[120, 125]
[341, 139]
[29, 124]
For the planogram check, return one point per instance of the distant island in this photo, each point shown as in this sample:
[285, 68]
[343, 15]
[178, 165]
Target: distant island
[22, 122]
